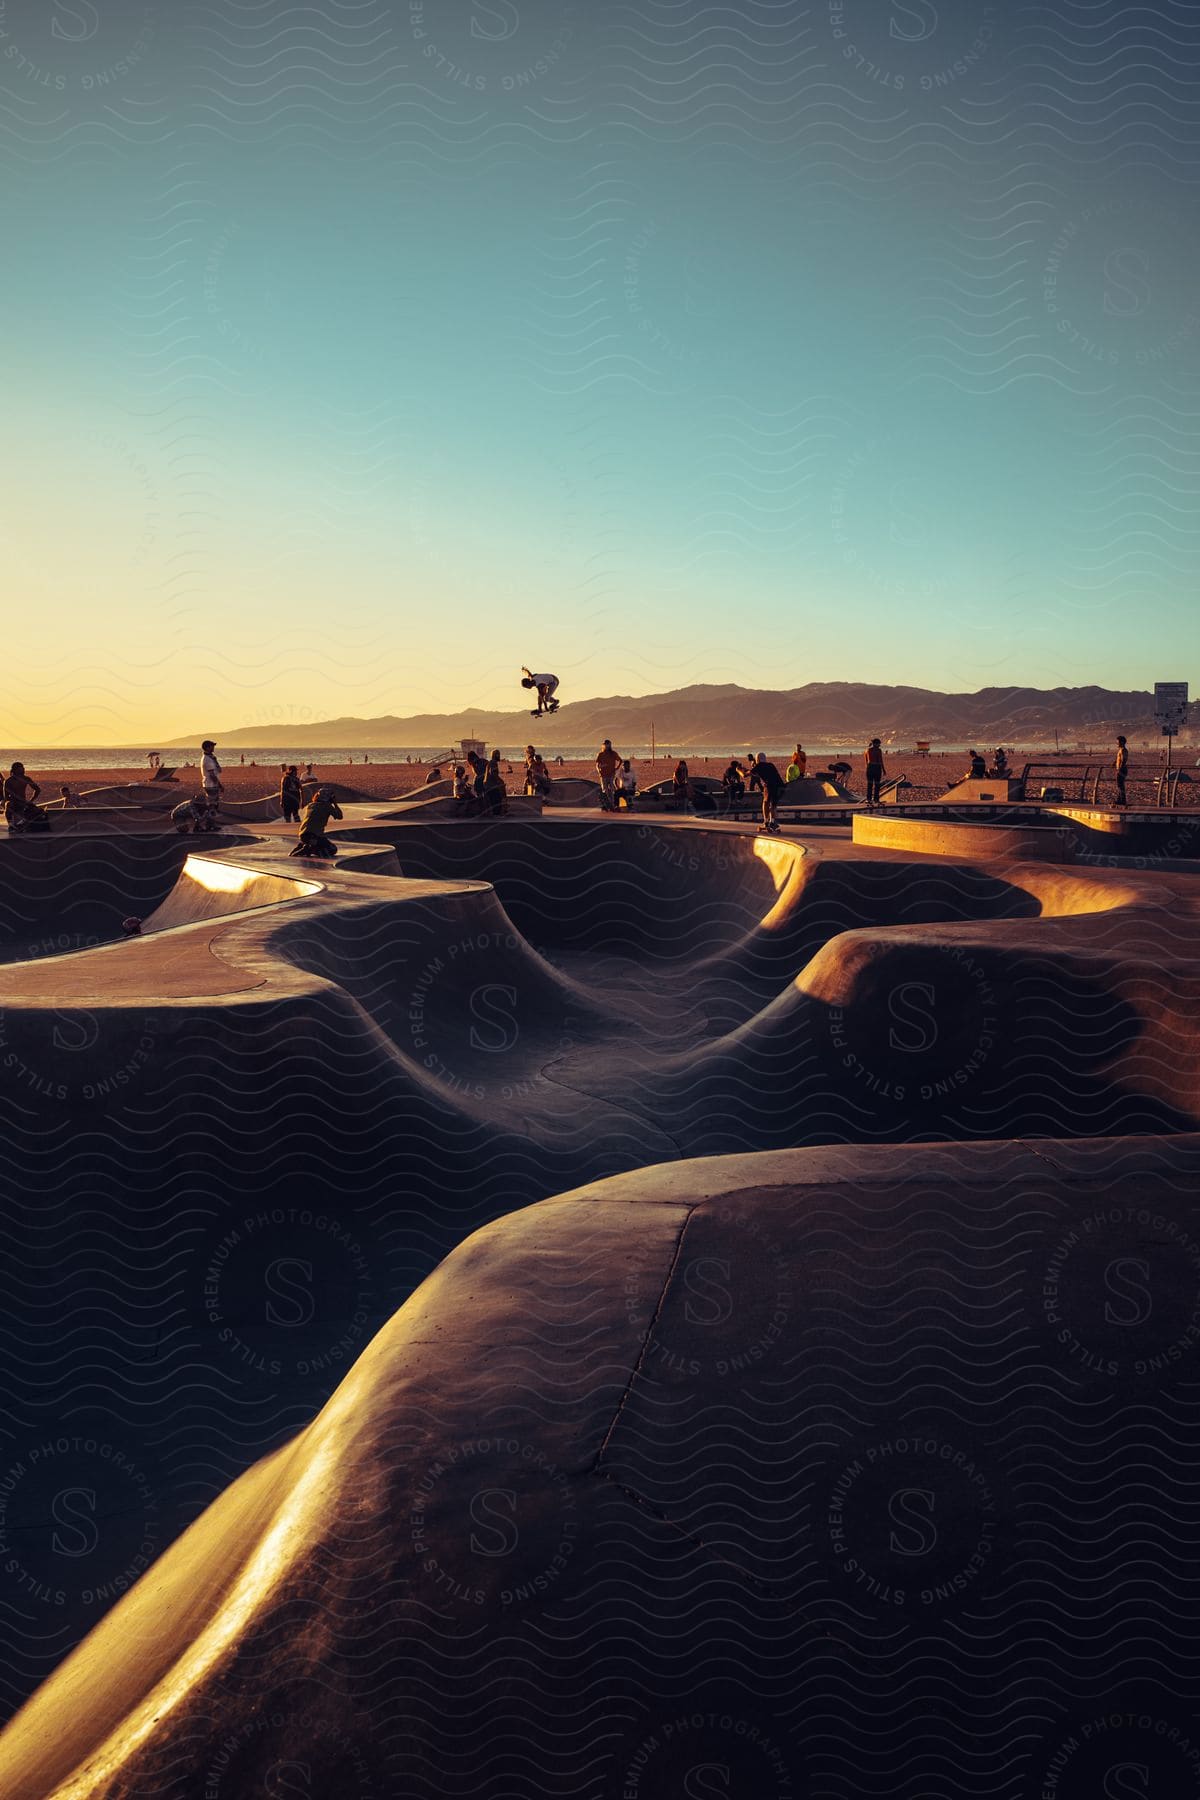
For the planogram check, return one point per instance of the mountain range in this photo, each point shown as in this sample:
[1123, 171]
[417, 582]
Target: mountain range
[823, 711]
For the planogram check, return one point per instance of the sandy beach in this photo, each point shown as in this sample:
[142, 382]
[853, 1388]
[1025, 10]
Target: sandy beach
[930, 775]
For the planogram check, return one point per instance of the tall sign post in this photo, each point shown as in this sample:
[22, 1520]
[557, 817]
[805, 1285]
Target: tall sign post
[1170, 711]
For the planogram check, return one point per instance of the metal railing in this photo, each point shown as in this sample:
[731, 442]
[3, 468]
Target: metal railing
[1166, 791]
[1085, 775]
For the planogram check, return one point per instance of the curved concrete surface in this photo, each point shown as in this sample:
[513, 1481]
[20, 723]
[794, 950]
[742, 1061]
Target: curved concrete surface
[827, 1475]
[236, 1143]
[1052, 833]
[1054, 841]
[214, 887]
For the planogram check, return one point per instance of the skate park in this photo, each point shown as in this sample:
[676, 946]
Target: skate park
[415, 1254]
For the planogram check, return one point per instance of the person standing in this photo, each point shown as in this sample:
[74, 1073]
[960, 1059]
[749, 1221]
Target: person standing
[289, 795]
[210, 774]
[680, 786]
[875, 771]
[607, 764]
[734, 784]
[494, 790]
[478, 768]
[20, 797]
[1121, 770]
[766, 776]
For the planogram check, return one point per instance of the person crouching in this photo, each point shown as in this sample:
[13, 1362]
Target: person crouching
[313, 821]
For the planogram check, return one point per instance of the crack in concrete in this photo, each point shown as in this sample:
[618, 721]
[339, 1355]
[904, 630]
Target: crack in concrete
[647, 1339]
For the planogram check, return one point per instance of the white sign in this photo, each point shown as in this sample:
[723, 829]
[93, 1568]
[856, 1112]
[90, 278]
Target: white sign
[1170, 706]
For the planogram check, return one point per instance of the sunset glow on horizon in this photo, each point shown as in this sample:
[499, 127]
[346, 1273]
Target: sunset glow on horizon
[357, 358]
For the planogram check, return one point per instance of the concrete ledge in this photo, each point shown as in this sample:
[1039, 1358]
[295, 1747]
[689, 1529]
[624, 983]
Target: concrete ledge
[943, 837]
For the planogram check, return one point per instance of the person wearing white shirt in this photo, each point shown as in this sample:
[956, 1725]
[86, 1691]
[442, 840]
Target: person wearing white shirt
[210, 773]
[546, 686]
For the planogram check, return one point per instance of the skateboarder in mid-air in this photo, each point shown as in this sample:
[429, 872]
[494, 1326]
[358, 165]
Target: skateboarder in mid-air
[546, 686]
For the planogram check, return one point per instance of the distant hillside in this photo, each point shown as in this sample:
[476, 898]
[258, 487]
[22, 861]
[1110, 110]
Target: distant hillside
[829, 710]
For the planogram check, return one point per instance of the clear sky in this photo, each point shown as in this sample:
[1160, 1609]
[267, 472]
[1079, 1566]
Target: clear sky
[358, 353]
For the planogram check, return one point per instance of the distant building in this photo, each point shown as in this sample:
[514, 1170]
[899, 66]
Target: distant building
[475, 744]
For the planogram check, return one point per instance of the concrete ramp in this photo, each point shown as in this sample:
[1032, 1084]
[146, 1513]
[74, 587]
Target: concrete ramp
[209, 888]
[839, 1424]
[809, 791]
[157, 795]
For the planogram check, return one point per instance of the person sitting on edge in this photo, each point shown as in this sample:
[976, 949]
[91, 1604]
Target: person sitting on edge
[537, 775]
[797, 769]
[766, 776]
[20, 794]
[68, 798]
[546, 686]
[289, 795]
[734, 783]
[463, 790]
[1001, 763]
[313, 821]
[608, 761]
[1121, 770]
[434, 774]
[874, 771]
[627, 785]
[494, 790]
[978, 768]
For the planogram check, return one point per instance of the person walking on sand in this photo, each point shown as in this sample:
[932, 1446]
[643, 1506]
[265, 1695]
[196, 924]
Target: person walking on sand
[875, 771]
[1121, 770]
[210, 774]
[766, 776]
[289, 795]
[608, 762]
[797, 769]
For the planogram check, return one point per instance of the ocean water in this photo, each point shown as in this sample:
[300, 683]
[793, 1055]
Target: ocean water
[340, 757]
